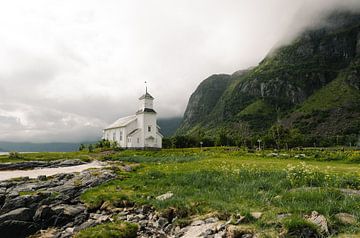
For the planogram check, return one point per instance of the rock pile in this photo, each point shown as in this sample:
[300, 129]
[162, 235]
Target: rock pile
[27, 206]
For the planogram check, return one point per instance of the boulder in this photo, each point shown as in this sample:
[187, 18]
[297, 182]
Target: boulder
[319, 220]
[165, 196]
[238, 231]
[18, 229]
[44, 216]
[20, 214]
[29, 201]
[68, 210]
[346, 218]
[256, 215]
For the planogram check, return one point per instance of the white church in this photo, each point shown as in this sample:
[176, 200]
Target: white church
[139, 131]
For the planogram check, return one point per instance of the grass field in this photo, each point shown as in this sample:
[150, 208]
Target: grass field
[227, 181]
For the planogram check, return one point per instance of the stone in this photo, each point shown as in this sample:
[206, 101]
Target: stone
[68, 210]
[108, 206]
[211, 220]
[283, 215]
[164, 196]
[238, 231]
[86, 224]
[168, 228]
[319, 220]
[14, 228]
[256, 215]
[346, 218]
[20, 214]
[350, 192]
[161, 222]
[127, 168]
[29, 201]
[220, 234]
[197, 223]
[42, 177]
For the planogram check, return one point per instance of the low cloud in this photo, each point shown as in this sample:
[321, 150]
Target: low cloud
[69, 68]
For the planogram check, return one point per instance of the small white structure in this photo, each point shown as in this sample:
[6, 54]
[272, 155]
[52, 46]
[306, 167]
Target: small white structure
[139, 131]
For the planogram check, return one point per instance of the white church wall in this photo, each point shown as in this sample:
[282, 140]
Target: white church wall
[145, 122]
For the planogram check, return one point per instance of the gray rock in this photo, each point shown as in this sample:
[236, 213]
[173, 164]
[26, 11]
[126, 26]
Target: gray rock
[18, 229]
[256, 215]
[68, 210]
[42, 177]
[20, 214]
[161, 222]
[165, 196]
[127, 168]
[86, 224]
[346, 218]
[211, 220]
[319, 220]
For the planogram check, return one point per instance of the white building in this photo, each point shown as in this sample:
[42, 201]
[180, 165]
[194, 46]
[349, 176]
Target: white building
[138, 131]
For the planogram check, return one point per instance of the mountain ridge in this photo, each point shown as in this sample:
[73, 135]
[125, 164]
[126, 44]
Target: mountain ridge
[287, 87]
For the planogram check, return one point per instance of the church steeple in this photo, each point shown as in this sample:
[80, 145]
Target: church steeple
[146, 102]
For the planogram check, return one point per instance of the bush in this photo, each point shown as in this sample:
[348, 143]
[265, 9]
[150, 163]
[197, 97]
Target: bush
[110, 230]
[298, 227]
[14, 155]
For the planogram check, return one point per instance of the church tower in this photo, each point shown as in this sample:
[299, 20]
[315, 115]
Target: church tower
[146, 116]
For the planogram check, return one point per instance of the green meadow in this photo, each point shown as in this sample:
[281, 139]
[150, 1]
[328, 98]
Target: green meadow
[230, 181]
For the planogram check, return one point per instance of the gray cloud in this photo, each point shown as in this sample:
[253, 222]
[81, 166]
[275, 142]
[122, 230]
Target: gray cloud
[69, 68]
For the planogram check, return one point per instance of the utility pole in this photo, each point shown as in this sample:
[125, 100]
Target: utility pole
[259, 141]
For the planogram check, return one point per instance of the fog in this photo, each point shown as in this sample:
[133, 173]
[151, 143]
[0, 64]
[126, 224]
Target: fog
[68, 68]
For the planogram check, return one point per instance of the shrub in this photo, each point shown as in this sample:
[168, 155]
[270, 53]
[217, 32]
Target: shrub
[81, 147]
[110, 230]
[298, 227]
[303, 175]
[14, 155]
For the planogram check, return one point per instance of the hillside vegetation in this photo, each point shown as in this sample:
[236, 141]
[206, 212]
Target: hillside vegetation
[312, 84]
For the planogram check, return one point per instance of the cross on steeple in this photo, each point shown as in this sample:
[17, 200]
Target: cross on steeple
[145, 87]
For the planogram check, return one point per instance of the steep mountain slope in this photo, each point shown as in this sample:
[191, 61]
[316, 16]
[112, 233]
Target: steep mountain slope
[169, 125]
[202, 101]
[311, 84]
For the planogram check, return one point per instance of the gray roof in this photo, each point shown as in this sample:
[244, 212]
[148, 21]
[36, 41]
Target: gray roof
[147, 96]
[133, 132]
[122, 122]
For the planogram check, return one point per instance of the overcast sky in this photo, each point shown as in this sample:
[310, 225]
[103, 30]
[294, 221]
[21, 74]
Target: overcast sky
[69, 67]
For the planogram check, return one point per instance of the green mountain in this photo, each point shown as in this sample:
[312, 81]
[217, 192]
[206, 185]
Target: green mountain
[169, 125]
[312, 84]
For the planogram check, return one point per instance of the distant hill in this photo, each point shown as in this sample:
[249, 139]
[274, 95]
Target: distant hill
[38, 147]
[312, 85]
[169, 125]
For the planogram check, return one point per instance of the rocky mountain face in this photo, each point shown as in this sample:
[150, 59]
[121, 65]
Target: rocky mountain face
[312, 84]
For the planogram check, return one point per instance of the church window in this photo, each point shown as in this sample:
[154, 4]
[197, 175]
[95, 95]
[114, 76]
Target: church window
[149, 128]
[114, 136]
[121, 135]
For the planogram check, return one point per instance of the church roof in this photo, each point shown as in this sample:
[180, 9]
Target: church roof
[147, 96]
[122, 122]
[133, 132]
[146, 110]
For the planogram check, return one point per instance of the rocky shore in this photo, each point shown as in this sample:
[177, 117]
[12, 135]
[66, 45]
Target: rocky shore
[51, 207]
[29, 205]
[40, 164]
